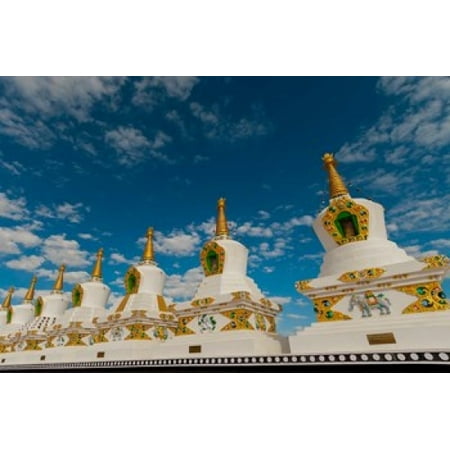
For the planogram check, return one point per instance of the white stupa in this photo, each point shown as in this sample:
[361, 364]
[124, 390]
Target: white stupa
[370, 295]
[89, 298]
[228, 313]
[144, 284]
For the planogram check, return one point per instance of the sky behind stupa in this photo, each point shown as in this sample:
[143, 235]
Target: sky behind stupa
[92, 162]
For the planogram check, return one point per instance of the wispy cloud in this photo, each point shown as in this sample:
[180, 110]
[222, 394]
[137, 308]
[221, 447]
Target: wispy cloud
[132, 147]
[10, 208]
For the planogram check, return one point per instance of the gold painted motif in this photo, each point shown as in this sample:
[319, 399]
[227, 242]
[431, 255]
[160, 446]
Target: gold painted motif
[76, 338]
[346, 221]
[202, 302]
[162, 306]
[323, 307]
[138, 313]
[49, 343]
[260, 323]
[303, 285]
[436, 261]
[429, 297]
[266, 302]
[359, 275]
[160, 332]
[138, 331]
[272, 324]
[240, 295]
[212, 258]
[33, 344]
[238, 320]
[100, 335]
[182, 328]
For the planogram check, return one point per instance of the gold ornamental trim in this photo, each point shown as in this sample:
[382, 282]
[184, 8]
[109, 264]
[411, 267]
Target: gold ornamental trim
[323, 307]
[430, 297]
[303, 285]
[212, 258]
[435, 261]
[346, 221]
[202, 302]
[238, 320]
[359, 275]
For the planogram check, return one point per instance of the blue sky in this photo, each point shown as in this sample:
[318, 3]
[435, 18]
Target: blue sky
[92, 162]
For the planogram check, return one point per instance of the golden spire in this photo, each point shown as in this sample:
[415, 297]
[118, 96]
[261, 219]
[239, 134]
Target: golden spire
[336, 184]
[221, 221]
[148, 255]
[59, 283]
[7, 302]
[30, 293]
[97, 270]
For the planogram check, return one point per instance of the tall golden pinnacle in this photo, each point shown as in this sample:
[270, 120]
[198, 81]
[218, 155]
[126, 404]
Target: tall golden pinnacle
[336, 184]
[30, 293]
[59, 283]
[97, 270]
[221, 221]
[148, 256]
[7, 302]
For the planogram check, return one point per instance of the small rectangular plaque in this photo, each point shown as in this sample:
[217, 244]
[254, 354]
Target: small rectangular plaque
[381, 338]
[100, 354]
[195, 349]
[43, 358]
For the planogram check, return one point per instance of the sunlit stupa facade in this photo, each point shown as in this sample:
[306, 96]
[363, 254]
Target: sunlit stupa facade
[370, 299]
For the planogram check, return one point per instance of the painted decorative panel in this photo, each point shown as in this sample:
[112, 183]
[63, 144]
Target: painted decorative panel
[238, 320]
[212, 258]
[346, 221]
[323, 307]
[358, 275]
[429, 297]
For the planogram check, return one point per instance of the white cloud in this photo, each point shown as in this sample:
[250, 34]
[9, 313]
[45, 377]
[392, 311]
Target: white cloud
[87, 236]
[429, 214]
[59, 250]
[216, 125]
[296, 316]
[132, 147]
[71, 277]
[264, 215]
[54, 96]
[278, 249]
[12, 238]
[71, 212]
[183, 286]
[176, 243]
[13, 167]
[415, 126]
[152, 90]
[27, 263]
[444, 243]
[14, 209]
[118, 258]
[281, 300]
[248, 229]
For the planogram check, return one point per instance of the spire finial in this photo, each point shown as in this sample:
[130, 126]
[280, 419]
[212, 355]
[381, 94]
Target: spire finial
[97, 270]
[221, 221]
[336, 184]
[148, 255]
[7, 302]
[30, 293]
[59, 283]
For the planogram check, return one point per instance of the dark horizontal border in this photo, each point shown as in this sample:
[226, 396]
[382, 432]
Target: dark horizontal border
[355, 361]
